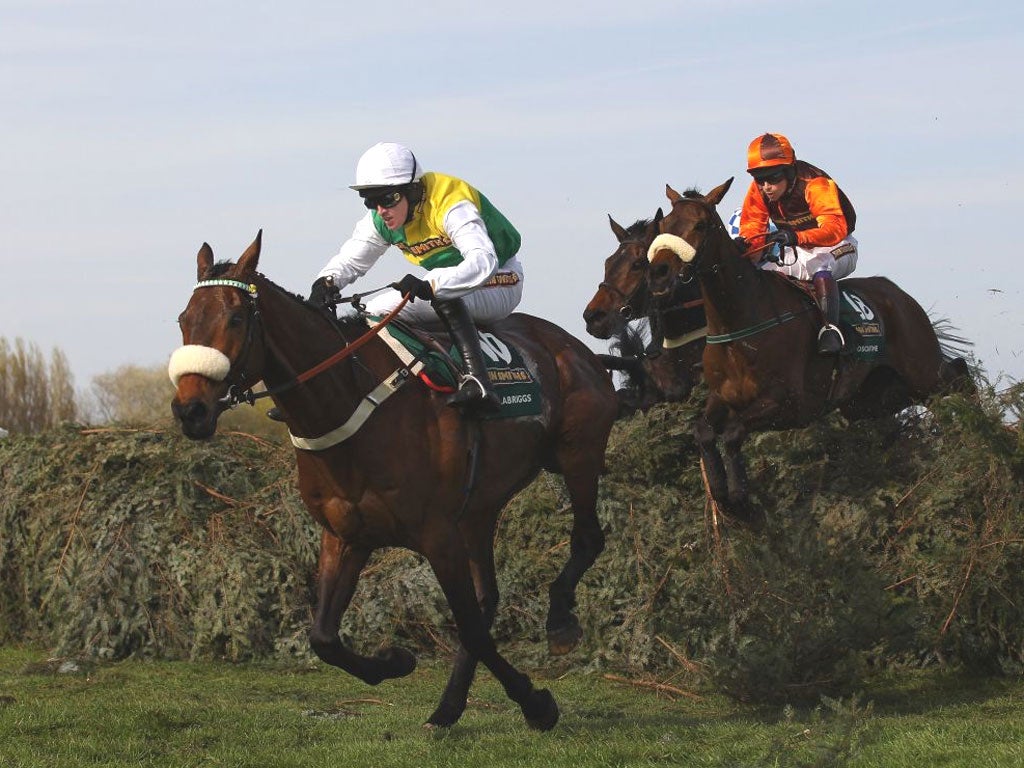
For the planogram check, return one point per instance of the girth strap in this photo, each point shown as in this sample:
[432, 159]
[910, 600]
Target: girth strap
[369, 403]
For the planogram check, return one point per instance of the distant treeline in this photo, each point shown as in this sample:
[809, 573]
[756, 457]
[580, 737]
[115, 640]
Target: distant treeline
[881, 549]
[36, 393]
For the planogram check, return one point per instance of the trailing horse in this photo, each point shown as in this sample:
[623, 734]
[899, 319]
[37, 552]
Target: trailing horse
[669, 365]
[382, 461]
[761, 364]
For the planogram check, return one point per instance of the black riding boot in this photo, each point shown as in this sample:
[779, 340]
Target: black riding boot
[830, 338]
[475, 389]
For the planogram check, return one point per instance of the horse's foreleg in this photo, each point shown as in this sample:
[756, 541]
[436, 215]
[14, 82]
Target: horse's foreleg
[707, 442]
[453, 700]
[450, 562]
[736, 470]
[586, 543]
[340, 566]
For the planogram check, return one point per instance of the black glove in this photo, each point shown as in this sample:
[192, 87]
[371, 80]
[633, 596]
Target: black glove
[784, 237]
[415, 288]
[324, 293]
[741, 244]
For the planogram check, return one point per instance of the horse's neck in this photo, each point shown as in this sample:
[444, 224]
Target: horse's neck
[733, 293]
[300, 338]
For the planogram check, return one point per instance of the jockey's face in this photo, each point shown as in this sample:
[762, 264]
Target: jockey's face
[773, 186]
[394, 217]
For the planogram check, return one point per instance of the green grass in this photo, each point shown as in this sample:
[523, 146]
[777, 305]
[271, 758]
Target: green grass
[190, 714]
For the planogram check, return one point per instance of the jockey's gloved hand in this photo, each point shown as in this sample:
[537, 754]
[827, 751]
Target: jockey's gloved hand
[784, 237]
[412, 286]
[324, 293]
[741, 244]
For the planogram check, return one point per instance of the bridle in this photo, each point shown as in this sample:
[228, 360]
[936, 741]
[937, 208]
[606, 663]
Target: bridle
[627, 309]
[240, 391]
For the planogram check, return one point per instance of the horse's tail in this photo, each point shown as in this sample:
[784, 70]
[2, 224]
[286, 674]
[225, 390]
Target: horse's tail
[958, 369]
[637, 391]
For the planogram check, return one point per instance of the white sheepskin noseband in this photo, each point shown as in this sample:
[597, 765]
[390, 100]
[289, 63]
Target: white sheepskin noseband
[676, 244]
[195, 358]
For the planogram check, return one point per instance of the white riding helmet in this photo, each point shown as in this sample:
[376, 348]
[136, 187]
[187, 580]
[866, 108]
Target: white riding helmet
[386, 164]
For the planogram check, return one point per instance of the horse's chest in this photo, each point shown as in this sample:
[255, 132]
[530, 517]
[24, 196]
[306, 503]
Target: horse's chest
[731, 379]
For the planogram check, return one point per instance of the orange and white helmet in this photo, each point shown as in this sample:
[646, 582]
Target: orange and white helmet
[768, 151]
[386, 164]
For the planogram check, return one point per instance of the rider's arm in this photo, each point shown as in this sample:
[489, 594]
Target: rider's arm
[468, 234]
[822, 196]
[754, 222]
[357, 254]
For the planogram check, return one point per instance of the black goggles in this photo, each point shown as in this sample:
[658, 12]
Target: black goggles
[769, 178]
[383, 200]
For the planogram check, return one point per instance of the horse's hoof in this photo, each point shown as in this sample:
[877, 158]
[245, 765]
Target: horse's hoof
[543, 711]
[445, 716]
[563, 640]
[396, 662]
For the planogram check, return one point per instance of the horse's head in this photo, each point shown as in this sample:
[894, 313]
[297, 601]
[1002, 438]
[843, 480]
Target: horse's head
[222, 342]
[686, 237]
[622, 295]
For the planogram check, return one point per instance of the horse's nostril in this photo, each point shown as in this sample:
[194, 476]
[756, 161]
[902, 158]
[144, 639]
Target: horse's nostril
[190, 412]
[591, 315]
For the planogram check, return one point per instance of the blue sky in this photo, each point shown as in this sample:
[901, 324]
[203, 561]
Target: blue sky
[134, 132]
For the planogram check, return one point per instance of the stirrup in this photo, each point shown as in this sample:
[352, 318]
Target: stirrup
[274, 414]
[473, 396]
[830, 340]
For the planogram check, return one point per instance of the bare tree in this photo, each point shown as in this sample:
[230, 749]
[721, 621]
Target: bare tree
[33, 395]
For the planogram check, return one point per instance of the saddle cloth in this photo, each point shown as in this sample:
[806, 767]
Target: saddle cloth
[861, 324]
[518, 390]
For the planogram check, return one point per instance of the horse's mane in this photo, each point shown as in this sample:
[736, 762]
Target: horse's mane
[346, 323]
[638, 227]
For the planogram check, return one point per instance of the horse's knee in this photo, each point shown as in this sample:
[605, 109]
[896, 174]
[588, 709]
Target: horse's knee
[704, 433]
[588, 540]
[322, 643]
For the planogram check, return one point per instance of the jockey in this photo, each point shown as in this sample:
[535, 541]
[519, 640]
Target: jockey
[446, 226]
[814, 218]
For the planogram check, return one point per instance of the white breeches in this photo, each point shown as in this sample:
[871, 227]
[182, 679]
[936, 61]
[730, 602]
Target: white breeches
[840, 260]
[494, 300]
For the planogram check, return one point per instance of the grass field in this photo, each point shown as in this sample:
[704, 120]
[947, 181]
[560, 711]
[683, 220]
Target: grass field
[54, 713]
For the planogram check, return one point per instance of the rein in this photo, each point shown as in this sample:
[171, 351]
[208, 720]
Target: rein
[752, 330]
[238, 394]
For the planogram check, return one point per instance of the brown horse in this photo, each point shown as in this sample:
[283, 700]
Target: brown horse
[403, 478]
[761, 364]
[670, 363]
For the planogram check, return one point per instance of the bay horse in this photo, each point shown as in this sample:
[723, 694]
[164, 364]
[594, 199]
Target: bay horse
[761, 364]
[670, 363]
[401, 479]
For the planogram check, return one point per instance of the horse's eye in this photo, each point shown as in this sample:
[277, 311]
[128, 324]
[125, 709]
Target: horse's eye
[638, 264]
[236, 319]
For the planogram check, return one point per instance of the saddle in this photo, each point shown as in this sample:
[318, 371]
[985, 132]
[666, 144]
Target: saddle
[860, 323]
[440, 365]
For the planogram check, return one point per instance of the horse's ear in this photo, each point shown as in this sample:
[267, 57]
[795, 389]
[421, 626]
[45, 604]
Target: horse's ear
[618, 229]
[672, 195]
[715, 195]
[658, 216]
[204, 261]
[251, 258]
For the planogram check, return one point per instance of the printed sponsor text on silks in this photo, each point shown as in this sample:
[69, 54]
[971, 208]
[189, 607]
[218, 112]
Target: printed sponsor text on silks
[424, 240]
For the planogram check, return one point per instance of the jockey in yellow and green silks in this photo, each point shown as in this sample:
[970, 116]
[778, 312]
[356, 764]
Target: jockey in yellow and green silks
[449, 228]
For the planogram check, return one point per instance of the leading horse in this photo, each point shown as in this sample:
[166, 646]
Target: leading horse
[402, 478]
[761, 365]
